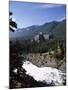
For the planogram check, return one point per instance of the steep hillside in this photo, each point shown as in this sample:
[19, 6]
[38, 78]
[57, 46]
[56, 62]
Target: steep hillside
[46, 60]
[59, 32]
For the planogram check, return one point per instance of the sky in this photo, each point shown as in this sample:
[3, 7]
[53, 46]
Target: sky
[28, 14]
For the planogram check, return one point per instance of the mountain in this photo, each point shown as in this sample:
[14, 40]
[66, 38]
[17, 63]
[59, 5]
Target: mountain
[60, 30]
[57, 28]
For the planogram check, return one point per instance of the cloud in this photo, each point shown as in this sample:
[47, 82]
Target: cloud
[49, 5]
[63, 18]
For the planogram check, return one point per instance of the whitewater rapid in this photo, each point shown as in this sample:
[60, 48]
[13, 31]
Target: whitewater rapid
[44, 74]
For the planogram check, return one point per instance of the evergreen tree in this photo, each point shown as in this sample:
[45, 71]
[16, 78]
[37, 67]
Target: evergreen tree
[12, 24]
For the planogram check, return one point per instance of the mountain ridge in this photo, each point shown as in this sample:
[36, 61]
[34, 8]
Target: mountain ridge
[55, 27]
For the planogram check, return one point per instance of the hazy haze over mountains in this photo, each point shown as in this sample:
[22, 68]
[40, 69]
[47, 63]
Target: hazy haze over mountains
[55, 27]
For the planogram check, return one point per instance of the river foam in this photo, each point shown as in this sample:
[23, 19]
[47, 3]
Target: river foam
[44, 74]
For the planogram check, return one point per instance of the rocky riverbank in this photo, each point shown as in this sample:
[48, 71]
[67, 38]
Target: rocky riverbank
[46, 60]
